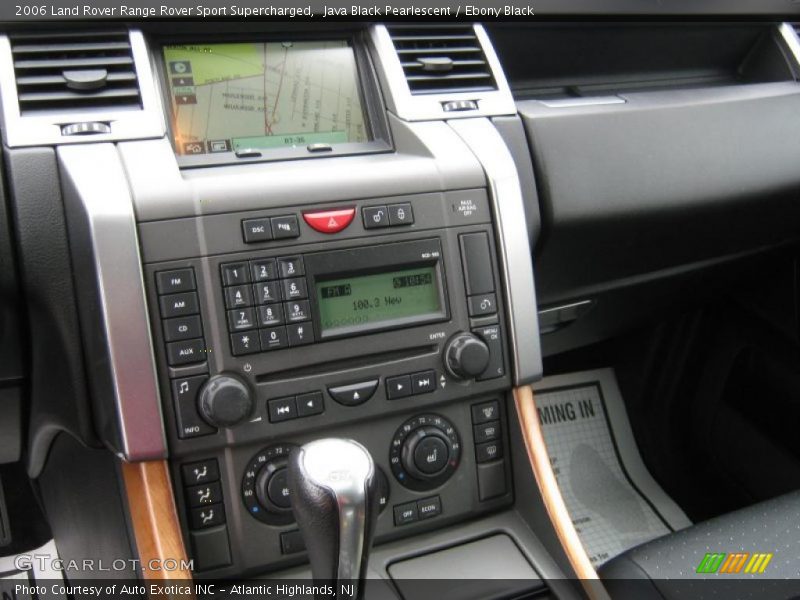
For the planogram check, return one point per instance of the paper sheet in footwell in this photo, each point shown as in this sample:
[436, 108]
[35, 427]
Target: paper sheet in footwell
[609, 513]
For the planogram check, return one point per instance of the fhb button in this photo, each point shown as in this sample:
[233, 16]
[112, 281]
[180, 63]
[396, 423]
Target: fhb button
[329, 221]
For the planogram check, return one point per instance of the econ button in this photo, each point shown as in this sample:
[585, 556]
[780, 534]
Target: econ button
[329, 221]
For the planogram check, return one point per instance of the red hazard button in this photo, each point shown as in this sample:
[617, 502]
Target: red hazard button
[330, 221]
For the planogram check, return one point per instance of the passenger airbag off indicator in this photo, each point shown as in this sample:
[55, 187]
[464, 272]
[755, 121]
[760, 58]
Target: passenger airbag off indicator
[330, 221]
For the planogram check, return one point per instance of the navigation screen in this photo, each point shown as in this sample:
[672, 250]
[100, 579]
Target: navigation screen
[229, 97]
[364, 301]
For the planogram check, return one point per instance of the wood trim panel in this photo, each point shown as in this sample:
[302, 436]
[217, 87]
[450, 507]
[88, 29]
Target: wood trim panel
[551, 494]
[154, 518]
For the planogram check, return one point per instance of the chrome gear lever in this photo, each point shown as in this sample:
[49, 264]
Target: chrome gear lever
[333, 487]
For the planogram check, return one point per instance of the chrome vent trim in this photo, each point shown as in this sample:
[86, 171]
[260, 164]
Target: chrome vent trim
[52, 86]
[442, 59]
[426, 81]
[72, 70]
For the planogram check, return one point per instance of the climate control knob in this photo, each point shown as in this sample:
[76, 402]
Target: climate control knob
[425, 452]
[225, 400]
[466, 356]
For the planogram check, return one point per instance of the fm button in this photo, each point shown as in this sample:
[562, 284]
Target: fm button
[329, 221]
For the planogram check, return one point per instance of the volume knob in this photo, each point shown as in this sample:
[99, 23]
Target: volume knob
[225, 401]
[466, 356]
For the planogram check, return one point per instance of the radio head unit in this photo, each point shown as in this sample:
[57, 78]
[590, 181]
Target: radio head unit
[377, 288]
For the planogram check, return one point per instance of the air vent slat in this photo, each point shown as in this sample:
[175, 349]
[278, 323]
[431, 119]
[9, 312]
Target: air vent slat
[74, 71]
[439, 60]
[72, 47]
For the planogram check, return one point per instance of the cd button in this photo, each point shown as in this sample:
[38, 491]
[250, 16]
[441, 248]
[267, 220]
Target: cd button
[329, 221]
[182, 328]
[354, 393]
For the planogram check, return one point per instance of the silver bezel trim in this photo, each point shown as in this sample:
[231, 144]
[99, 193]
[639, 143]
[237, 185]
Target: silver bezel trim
[425, 107]
[789, 36]
[516, 263]
[100, 208]
[45, 129]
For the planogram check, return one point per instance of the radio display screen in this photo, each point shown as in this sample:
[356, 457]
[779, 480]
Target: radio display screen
[370, 301]
[236, 96]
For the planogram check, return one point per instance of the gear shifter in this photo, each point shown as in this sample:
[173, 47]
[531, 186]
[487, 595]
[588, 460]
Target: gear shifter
[334, 491]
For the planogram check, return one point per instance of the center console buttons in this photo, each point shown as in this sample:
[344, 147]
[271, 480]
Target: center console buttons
[329, 221]
[354, 393]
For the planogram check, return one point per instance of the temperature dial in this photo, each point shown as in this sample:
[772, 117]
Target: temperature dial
[264, 489]
[425, 452]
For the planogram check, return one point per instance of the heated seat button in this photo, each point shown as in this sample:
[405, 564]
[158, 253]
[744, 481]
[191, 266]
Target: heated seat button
[431, 455]
[329, 221]
[278, 489]
[354, 393]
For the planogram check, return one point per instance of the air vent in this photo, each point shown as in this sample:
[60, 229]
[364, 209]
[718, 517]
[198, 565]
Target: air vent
[437, 60]
[74, 71]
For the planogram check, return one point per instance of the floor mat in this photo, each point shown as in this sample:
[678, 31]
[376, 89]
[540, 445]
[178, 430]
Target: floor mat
[614, 502]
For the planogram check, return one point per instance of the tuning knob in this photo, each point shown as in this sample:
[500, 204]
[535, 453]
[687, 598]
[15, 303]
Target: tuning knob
[466, 356]
[225, 400]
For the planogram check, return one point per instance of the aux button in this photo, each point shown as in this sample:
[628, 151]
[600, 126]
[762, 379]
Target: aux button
[329, 221]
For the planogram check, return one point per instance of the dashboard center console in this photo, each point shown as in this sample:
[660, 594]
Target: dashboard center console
[318, 259]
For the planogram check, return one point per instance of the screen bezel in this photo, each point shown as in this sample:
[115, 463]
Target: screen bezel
[370, 260]
[372, 104]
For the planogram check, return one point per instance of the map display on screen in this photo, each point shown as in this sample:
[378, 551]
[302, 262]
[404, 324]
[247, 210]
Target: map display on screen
[229, 97]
